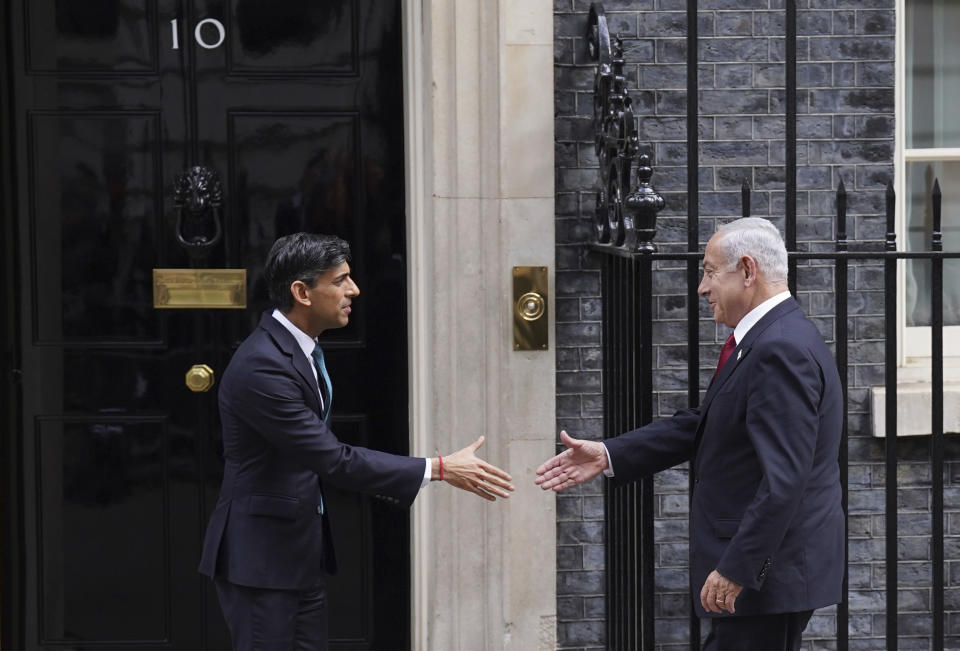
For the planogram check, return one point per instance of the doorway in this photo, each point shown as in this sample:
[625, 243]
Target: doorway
[112, 464]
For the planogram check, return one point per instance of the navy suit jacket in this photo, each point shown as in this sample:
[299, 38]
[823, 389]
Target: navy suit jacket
[267, 529]
[766, 504]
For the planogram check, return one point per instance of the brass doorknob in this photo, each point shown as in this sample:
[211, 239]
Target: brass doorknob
[200, 378]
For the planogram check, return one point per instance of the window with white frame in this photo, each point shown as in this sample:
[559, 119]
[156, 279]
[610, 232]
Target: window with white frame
[928, 148]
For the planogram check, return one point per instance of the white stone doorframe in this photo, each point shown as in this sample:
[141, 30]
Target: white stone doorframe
[478, 93]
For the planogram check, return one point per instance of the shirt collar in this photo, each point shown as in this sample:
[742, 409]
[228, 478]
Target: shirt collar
[757, 313]
[305, 341]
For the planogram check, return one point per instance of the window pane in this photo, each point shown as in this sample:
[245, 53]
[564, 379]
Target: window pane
[919, 221]
[933, 73]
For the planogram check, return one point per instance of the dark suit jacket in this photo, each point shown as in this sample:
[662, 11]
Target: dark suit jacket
[266, 530]
[766, 505]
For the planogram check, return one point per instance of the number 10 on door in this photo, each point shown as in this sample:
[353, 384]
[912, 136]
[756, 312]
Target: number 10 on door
[198, 33]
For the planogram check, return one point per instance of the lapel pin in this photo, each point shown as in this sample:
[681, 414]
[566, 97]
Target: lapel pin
[739, 354]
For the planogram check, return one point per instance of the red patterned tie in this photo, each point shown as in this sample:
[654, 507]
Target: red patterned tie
[728, 347]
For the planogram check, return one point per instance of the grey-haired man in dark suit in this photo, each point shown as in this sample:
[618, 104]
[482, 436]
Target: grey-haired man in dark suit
[766, 521]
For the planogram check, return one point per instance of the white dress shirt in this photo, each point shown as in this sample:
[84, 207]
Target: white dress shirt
[307, 344]
[749, 320]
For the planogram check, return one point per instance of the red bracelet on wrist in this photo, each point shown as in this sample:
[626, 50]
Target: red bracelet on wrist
[441, 468]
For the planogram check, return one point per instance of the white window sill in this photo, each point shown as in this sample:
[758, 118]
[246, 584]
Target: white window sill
[914, 400]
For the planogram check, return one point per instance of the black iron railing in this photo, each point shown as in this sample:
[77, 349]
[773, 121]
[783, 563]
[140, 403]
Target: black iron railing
[628, 399]
[625, 232]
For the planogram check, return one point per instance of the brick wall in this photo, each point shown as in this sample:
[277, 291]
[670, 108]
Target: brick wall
[845, 131]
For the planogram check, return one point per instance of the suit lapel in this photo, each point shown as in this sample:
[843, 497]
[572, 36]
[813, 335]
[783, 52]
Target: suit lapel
[739, 354]
[290, 348]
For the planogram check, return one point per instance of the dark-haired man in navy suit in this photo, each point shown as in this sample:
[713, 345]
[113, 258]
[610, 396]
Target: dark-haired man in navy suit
[268, 545]
[766, 521]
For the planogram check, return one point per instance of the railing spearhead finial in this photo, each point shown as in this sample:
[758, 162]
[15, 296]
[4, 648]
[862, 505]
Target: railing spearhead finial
[937, 237]
[841, 217]
[891, 201]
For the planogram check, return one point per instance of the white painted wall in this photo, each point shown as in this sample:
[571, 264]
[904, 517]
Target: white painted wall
[479, 136]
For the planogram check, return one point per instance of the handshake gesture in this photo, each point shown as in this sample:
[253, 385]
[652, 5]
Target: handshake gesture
[580, 462]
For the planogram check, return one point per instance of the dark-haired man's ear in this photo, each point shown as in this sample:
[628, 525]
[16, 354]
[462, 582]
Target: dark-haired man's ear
[300, 292]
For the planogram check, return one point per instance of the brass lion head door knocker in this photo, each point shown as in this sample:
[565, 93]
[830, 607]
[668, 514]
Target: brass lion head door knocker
[198, 196]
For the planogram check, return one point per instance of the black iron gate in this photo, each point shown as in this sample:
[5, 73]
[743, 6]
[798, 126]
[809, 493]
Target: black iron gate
[625, 229]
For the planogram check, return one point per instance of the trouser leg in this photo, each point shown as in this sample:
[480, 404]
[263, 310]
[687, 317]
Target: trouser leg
[780, 632]
[274, 620]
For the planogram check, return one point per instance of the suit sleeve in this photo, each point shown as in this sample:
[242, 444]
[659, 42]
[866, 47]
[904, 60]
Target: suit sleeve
[654, 447]
[782, 425]
[268, 399]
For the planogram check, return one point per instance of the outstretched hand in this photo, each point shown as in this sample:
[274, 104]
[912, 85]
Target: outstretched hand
[465, 470]
[580, 462]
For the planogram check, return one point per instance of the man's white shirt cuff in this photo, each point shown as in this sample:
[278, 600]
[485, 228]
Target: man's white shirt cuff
[426, 473]
[608, 471]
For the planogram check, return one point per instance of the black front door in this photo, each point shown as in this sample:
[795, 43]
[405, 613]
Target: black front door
[111, 464]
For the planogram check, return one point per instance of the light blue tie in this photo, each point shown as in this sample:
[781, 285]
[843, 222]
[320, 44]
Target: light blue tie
[326, 388]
